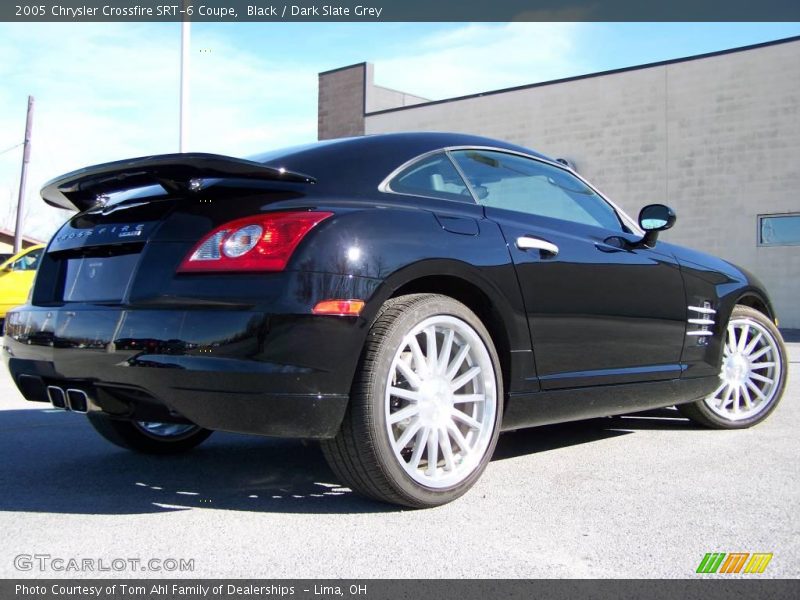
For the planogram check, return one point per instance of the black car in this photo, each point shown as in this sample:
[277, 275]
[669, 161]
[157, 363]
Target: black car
[403, 298]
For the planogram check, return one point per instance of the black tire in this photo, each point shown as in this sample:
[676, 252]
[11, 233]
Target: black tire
[362, 455]
[132, 436]
[701, 413]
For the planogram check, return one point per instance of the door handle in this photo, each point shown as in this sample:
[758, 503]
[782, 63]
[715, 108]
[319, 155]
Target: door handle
[527, 242]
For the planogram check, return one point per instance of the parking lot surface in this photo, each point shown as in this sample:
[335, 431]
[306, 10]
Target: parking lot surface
[642, 495]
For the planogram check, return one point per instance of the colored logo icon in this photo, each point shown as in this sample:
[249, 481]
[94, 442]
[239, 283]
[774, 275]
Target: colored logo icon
[734, 562]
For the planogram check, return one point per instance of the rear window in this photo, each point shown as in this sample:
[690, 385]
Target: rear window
[433, 177]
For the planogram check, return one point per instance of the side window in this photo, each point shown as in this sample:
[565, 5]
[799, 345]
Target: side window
[528, 186]
[435, 177]
[29, 262]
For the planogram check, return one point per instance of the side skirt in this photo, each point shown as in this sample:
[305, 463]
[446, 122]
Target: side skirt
[561, 406]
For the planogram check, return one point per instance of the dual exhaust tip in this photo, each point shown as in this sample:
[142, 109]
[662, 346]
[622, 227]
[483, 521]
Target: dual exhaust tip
[69, 399]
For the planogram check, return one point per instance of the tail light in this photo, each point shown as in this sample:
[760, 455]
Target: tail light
[258, 243]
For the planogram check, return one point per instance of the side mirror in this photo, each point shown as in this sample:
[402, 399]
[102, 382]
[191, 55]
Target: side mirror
[652, 219]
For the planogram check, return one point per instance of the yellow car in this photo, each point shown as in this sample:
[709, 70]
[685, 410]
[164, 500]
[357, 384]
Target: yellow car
[16, 277]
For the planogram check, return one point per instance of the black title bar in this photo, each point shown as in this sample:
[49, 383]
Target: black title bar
[396, 10]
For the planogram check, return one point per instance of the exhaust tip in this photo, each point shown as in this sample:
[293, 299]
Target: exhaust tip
[57, 397]
[78, 401]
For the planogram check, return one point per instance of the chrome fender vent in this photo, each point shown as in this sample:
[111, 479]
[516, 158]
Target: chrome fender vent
[701, 320]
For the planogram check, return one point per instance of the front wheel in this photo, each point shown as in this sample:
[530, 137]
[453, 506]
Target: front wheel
[425, 406]
[149, 437]
[752, 375]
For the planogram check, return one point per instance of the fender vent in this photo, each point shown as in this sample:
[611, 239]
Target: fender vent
[701, 320]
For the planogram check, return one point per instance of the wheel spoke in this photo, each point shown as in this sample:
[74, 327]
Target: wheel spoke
[749, 348]
[465, 398]
[431, 354]
[410, 395]
[409, 373]
[456, 364]
[722, 386]
[404, 413]
[743, 337]
[464, 379]
[465, 418]
[447, 449]
[758, 377]
[408, 433]
[419, 357]
[745, 395]
[419, 447]
[433, 452]
[447, 348]
[736, 399]
[760, 353]
[728, 395]
[730, 342]
[755, 389]
[763, 365]
[459, 438]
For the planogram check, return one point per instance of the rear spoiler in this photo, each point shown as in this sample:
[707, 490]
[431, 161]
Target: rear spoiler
[174, 172]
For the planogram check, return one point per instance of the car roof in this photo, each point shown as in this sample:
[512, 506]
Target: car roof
[360, 164]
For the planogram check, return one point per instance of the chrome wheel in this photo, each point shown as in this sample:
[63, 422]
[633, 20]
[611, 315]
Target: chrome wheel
[751, 372]
[441, 401]
[166, 431]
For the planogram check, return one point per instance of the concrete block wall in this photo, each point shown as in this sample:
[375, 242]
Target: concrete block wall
[716, 137]
[341, 94]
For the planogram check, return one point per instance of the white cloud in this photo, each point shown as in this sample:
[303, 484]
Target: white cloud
[483, 56]
[110, 91]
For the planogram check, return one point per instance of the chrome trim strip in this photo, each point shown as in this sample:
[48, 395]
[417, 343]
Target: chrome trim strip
[386, 188]
[702, 321]
[703, 310]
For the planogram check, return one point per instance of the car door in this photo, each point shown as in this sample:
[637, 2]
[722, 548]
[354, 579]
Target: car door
[600, 310]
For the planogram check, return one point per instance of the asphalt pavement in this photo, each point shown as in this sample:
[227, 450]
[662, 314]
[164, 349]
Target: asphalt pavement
[637, 496]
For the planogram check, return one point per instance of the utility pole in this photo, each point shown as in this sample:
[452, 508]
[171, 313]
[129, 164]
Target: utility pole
[26, 156]
[183, 133]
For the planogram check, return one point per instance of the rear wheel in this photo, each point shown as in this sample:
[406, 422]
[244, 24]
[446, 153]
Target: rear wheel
[149, 437]
[752, 376]
[425, 407]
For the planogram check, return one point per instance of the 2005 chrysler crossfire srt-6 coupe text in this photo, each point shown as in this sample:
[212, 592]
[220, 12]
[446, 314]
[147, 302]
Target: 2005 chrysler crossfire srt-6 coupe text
[403, 298]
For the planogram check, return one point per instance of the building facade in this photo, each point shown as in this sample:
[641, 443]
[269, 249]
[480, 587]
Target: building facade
[716, 137]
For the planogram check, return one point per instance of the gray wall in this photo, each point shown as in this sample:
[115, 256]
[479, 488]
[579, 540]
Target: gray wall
[717, 138]
[340, 104]
[346, 93]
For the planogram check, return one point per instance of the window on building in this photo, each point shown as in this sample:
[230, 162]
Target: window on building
[434, 177]
[530, 186]
[779, 230]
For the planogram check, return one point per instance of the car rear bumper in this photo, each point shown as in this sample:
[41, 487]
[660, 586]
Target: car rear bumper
[242, 371]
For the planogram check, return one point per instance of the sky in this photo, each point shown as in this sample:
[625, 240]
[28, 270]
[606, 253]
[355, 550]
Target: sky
[110, 91]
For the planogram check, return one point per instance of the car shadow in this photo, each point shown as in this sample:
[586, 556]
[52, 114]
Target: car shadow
[54, 462]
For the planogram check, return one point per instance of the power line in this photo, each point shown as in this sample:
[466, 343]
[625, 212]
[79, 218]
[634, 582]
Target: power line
[12, 147]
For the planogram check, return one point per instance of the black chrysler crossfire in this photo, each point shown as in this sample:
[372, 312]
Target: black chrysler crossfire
[403, 298]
